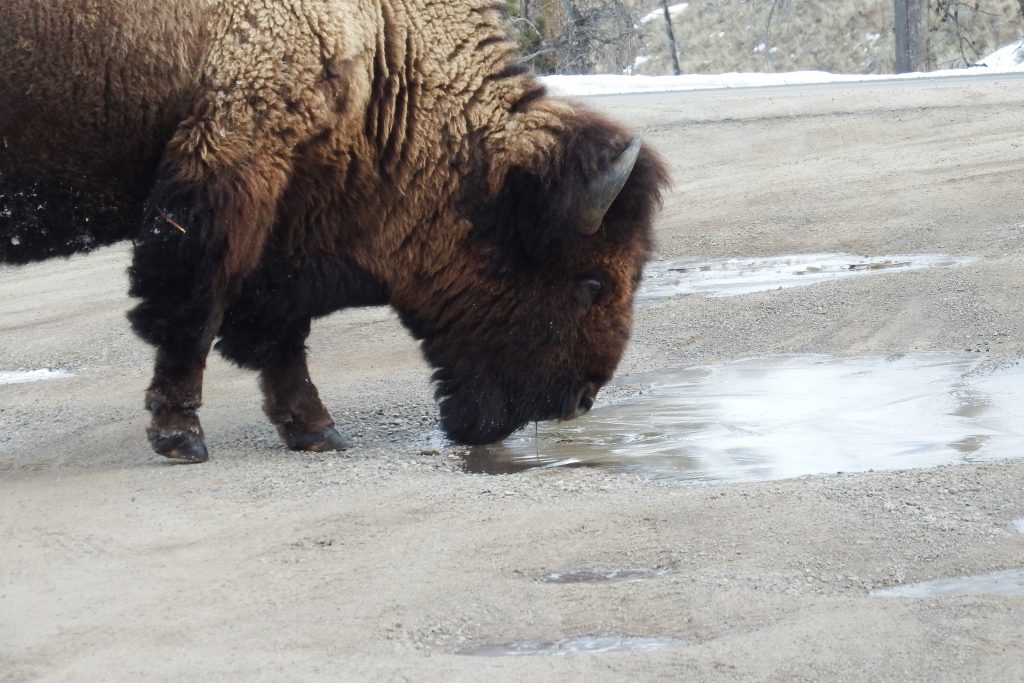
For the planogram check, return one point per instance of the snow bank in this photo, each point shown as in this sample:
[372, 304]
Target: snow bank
[1008, 59]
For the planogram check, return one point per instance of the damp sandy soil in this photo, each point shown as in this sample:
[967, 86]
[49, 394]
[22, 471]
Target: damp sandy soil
[392, 563]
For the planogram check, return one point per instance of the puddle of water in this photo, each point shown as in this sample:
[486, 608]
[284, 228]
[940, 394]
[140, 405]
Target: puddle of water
[786, 417]
[603, 575]
[1018, 524]
[736, 276]
[23, 376]
[1010, 582]
[570, 646]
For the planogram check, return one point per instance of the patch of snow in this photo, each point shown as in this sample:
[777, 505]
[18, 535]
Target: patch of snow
[1009, 59]
[673, 11]
[23, 376]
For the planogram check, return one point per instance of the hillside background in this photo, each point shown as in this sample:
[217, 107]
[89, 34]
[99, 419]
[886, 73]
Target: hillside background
[721, 36]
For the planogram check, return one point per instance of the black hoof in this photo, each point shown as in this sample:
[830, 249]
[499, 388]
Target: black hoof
[319, 441]
[178, 445]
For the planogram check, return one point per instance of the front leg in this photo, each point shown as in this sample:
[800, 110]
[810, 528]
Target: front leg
[267, 92]
[199, 240]
[292, 403]
[275, 345]
[265, 329]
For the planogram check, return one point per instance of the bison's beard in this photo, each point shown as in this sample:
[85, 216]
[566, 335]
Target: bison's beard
[482, 415]
[470, 424]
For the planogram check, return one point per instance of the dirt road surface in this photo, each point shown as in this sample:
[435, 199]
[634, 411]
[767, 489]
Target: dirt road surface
[385, 563]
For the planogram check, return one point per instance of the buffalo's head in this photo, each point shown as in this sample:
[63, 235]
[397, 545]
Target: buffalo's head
[529, 318]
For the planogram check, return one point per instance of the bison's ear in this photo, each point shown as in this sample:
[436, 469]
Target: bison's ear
[557, 184]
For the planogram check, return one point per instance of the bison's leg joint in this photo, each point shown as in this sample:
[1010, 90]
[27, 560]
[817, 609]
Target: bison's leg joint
[316, 441]
[293, 405]
[175, 431]
[300, 417]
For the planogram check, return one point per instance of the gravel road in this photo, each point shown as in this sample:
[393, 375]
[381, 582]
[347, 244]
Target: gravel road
[388, 562]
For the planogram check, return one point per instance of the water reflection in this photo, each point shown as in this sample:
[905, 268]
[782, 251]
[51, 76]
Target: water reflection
[735, 276]
[785, 417]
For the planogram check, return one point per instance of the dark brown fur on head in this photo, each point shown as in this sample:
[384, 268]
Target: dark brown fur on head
[539, 323]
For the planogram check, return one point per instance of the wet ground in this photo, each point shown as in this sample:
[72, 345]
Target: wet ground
[784, 417]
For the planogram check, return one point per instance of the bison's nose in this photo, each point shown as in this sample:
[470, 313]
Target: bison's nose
[585, 401]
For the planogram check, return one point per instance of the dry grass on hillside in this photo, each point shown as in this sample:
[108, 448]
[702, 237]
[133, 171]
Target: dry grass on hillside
[853, 36]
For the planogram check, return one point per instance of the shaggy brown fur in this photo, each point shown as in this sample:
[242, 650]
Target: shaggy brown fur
[286, 158]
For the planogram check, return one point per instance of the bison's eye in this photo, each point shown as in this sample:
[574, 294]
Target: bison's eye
[587, 291]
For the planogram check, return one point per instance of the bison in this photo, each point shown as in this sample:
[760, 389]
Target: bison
[274, 161]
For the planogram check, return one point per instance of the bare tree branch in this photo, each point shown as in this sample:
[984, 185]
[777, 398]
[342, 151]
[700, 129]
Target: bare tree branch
[672, 38]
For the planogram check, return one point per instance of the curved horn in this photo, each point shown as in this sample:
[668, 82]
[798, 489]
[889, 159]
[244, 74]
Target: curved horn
[603, 190]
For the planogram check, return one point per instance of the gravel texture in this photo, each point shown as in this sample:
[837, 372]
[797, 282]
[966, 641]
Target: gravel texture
[385, 562]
